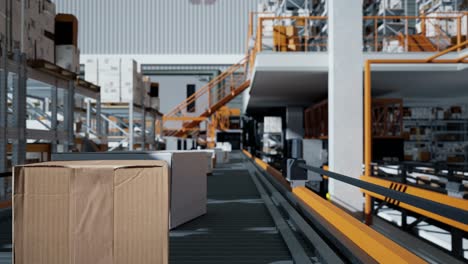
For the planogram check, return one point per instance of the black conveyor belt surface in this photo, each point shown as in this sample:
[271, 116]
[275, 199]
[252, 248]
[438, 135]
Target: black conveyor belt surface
[237, 228]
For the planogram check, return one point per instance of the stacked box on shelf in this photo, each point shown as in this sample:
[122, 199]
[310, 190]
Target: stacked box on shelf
[146, 91]
[118, 78]
[68, 57]
[436, 133]
[391, 4]
[285, 38]
[13, 19]
[38, 30]
[107, 75]
[154, 95]
[66, 41]
[91, 70]
[131, 82]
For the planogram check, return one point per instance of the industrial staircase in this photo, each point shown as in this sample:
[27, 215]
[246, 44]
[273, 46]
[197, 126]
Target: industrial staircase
[418, 43]
[188, 115]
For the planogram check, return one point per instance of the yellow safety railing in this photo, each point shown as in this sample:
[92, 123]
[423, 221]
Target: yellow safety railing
[429, 33]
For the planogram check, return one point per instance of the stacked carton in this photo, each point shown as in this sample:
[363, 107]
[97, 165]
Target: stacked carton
[68, 57]
[10, 18]
[118, 78]
[66, 41]
[38, 29]
[108, 77]
[131, 83]
[285, 38]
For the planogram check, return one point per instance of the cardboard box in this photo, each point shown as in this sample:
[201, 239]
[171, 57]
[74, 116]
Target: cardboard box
[45, 49]
[155, 103]
[91, 70]
[118, 79]
[222, 156]
[68, 57]
[131, 90]
[188, 196]
[91, 212]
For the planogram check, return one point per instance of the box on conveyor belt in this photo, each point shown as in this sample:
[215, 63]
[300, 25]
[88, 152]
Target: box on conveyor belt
[222, 156]
[188, 191]
[91, 212]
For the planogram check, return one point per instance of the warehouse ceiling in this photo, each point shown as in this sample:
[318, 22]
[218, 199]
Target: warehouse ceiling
[282, 86]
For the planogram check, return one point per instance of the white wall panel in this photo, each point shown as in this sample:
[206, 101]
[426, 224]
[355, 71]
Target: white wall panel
[161, 26]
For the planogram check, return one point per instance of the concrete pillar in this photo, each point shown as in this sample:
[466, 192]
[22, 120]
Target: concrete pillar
[294, 122]
[345, 95]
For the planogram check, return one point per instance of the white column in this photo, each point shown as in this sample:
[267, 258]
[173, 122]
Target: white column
[345, 89]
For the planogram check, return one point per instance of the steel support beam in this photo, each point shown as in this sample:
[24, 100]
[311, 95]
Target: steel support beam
[131, 131]
[69, 117]
[99, 126]
[153, 132]
[143, 128]
[53, 110]
[3, 106]
[88, 118]
[19, 110]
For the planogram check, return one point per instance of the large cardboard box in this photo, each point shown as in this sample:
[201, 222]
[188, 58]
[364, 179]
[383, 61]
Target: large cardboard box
[188, 174]
[113, 212]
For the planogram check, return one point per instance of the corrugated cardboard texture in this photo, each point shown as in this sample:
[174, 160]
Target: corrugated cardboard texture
[188, 170]
[91, 212]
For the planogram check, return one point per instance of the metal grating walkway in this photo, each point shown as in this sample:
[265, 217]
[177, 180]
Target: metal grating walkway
[237, 228]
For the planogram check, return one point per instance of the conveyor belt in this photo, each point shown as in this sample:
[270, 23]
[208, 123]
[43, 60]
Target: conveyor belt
[238, 227]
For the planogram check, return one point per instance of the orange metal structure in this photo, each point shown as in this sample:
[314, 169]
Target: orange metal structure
[387, 119]
[437, 40]
[460, 203]
[213, 96]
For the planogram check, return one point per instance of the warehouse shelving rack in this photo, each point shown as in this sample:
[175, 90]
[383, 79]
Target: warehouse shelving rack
[120, 117]
[23, 80]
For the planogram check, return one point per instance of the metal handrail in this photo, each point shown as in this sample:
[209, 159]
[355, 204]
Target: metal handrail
[217, 80]
[374, 38]
[223, 85]
[428, 205]
[368, 105]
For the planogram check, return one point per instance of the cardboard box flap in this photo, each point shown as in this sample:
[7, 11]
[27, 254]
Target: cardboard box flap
[114, 164]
